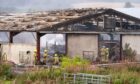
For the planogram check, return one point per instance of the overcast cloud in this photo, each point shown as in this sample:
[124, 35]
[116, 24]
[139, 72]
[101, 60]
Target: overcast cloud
[52, 4]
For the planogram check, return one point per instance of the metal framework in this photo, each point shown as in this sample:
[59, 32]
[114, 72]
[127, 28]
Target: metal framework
[62, 21]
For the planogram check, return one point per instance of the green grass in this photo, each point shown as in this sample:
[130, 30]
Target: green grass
[120, 74]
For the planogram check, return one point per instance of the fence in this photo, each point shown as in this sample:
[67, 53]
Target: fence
[81, 78]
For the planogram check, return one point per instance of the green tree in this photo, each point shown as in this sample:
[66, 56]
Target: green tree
[128, 52]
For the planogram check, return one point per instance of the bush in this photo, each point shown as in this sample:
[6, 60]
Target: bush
[45, 76]
[125, 78]
[76, 65]
[76, 61]
[134, 68]
[6, 72]
[129, 53]
[125, 74]
[121, 74]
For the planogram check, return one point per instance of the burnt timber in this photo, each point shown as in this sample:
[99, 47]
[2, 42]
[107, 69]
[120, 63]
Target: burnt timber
[92, 21]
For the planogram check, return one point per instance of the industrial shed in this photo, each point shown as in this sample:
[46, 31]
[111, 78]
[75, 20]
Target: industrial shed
[84, 29]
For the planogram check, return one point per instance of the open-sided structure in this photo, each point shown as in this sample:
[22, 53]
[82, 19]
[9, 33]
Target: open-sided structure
[84, 29]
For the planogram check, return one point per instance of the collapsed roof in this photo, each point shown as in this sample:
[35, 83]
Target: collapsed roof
[43, 21]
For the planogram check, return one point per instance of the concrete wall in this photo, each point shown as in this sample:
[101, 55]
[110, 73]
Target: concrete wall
[14, 51]
[134, 41]
[77, 43]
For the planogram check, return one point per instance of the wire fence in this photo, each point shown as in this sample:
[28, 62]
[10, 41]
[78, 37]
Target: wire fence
[81, 78]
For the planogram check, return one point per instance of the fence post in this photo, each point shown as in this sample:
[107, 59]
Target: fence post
[64, 77]
[74, 78]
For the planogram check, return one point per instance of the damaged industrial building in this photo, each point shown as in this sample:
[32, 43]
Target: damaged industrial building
[86, 32]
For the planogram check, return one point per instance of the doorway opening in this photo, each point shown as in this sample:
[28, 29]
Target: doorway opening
[110, 47]
[54, 43]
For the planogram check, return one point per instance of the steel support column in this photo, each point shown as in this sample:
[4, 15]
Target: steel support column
[98, 45]
[38, 47]
[11, 37]
[121, 49]
[12, 34]
[66, 44]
